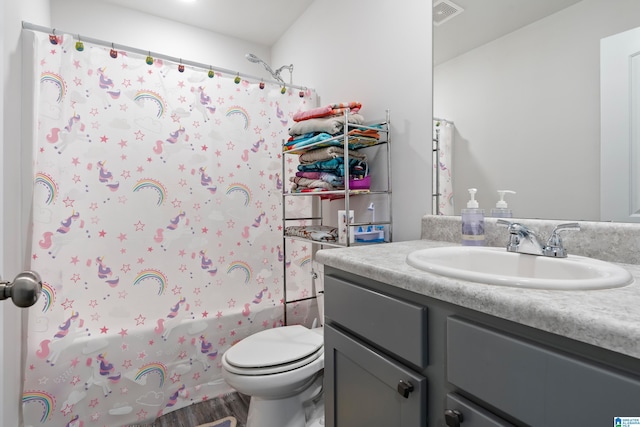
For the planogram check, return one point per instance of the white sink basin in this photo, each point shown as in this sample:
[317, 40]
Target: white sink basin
[496, 266]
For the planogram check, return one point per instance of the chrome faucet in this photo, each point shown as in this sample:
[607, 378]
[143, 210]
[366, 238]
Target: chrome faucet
[554, 246]
[523, 240]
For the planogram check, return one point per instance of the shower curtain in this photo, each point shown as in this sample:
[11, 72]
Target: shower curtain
[157, 230]
[442, 167]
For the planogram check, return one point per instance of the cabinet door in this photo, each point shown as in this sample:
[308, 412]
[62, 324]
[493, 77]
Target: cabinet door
[469, 414]
[536, 385]
[367, 389]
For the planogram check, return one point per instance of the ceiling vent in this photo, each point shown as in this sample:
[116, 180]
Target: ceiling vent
[443, 10]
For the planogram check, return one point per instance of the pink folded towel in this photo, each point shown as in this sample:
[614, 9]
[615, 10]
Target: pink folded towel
[328, 110]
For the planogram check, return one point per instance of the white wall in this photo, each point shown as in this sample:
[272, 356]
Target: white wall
[379, 53]
[128, 27]
[13, 218]
[527, 112]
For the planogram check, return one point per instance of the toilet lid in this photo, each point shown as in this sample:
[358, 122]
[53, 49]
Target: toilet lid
[276, 346]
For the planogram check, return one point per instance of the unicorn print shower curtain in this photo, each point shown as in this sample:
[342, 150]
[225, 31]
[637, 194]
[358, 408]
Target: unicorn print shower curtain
[442, 168]
[156, 230]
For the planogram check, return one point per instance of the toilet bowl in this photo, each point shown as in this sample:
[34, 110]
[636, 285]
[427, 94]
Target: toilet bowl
[280, 369]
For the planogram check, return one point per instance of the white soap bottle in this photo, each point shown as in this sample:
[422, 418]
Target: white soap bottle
[502, 209]
[472, 222]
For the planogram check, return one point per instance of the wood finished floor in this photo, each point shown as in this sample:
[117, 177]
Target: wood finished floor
[234, 404]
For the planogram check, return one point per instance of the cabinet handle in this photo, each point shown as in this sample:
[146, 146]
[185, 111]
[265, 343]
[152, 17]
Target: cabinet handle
[452, 417]
[404, 388]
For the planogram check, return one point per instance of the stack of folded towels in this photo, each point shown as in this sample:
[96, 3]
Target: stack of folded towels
[322, 168]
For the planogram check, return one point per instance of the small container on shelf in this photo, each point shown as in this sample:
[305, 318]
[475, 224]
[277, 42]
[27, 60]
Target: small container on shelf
[369, 234]
[360, 184]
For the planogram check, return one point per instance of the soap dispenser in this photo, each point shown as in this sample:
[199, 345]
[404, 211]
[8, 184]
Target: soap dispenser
[472, 222]
[502, 209]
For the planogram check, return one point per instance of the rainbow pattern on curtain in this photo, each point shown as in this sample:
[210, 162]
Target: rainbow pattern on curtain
[156, 229]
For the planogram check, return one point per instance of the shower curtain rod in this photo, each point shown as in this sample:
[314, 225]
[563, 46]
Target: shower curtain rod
[42, 29]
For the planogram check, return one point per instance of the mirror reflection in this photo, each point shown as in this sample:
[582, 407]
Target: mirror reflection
[521, 83]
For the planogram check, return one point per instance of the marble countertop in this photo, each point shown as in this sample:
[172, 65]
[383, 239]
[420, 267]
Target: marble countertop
[606, 318]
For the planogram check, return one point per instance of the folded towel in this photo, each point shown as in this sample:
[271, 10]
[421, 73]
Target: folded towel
[327, 153]
[310, 175]
[299, 182]
[336, 181]
[318, 233]
[306, 139]
[357, 138]
[336, 167]
[327, 110]
[330, 125]
[370, 133]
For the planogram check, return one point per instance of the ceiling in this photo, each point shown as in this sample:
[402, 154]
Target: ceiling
[256, 21]
[265, 21]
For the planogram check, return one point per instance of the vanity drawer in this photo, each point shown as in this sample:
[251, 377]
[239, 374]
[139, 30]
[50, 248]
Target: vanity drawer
[537, 385]
[397, 326]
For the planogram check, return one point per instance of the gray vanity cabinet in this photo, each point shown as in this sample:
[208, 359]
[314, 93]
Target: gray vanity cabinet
[369, 389]
[533, 383]
[459, 367]
[371, 341]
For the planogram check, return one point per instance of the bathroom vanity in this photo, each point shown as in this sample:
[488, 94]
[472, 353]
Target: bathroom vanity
[404, 347]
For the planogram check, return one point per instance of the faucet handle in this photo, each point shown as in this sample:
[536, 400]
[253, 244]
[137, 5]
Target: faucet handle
[516, 228]
[517, 232]
[554, 246]
[504, 222]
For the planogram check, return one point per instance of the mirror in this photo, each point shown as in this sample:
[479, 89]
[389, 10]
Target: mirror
[524, 95]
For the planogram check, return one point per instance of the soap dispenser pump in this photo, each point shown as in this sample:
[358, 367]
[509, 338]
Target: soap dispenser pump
[502, 209]
[472, 222]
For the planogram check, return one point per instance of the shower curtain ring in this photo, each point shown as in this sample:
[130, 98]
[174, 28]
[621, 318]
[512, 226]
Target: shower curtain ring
[237, 79]
[149, 59]
[113, 52]
[53, 39]
[79, 44]
[283, 90]
[181, 66]
[211, 73]
[261, 84]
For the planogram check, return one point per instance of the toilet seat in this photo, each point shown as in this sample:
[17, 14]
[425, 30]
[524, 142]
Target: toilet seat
[274, 351]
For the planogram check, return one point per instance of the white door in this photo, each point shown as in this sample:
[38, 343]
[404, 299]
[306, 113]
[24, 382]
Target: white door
[620, 127]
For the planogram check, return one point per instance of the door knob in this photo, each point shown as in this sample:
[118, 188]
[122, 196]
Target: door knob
[24, 290]
[404, 388]
[452, 418]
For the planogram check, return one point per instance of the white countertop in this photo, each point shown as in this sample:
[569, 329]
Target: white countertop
[606, 318]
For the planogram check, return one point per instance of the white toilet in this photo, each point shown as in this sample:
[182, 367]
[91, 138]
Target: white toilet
[280, 369]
